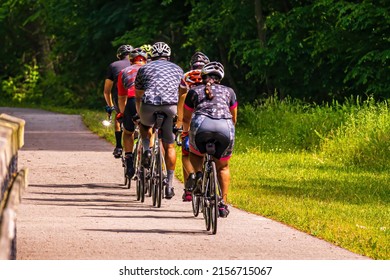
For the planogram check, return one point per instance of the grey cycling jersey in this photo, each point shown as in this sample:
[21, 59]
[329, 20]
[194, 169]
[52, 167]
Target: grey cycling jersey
[218, 108]
[160, 80]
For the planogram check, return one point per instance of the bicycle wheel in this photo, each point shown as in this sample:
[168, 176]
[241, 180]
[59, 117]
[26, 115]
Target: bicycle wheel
[125, 183]
[206, 202]
[139, 183]
[195, 204]
[144, 183]
[153, 181]
[206, 213]
[213, 198]
[159, 180]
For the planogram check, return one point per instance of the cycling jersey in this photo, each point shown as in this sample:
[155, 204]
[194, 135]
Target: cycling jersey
[160, 80]
[217, 108]
[112, 74]
[113, 71]
[126, 80]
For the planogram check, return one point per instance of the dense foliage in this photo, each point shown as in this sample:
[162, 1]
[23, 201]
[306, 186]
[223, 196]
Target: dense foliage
[312, 50]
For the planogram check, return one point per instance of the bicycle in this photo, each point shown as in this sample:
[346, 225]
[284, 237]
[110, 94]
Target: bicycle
[210, 194]
[158, 170]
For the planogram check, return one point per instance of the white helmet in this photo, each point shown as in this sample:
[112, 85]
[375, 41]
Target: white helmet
[161, 49]
[215, 68]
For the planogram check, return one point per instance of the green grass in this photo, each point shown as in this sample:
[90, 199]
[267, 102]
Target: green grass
[347, 207]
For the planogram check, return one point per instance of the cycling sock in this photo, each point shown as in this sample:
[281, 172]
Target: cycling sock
[118, 138]
[170, 177]
[128, 154]
[145, 144]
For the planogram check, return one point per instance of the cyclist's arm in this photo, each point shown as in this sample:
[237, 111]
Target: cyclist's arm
[122, 93]
[180, 106]
[234, 115]
[188, 109]
[138, 98]
[107, 92]
[233, 106]
[187, 114]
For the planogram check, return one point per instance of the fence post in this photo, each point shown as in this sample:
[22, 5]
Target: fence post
[12, 182]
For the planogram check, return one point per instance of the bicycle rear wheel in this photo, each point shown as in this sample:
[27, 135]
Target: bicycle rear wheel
[206, 213]
[206, 202]
[213, 198]
[142, 186]
[125, 183]
[153, 181]
[140, 180]
[159, 180]
[195, 204]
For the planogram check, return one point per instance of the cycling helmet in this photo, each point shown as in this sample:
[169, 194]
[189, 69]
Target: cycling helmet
[124, 50]
[194, 77]
[147, 49]
[138, 54]
[198, 60]
[161, 49]
[215, 68]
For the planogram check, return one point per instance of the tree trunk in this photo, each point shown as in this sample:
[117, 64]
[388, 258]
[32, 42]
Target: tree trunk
[226, 64]
[260, 22]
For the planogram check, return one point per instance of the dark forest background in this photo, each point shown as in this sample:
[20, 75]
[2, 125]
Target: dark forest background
[57, 51]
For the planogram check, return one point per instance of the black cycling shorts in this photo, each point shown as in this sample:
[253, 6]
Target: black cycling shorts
[130, 111]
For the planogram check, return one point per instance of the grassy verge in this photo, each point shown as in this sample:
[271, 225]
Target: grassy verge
[348, 207]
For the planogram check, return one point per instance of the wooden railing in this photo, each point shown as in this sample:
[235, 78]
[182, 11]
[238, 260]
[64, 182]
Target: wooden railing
[12, 182]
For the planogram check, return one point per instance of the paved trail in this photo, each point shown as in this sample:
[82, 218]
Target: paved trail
[76, 208]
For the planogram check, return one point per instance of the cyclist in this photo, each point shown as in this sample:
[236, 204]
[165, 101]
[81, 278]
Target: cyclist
[148, 49]
[111, 93]
[126, 102]
[190, 79]
[156, 86]
[212, 107]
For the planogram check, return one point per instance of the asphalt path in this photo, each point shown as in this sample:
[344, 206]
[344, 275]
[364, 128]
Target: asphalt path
[76, 208]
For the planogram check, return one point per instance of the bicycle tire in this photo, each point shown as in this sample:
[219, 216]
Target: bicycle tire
[139, 183]
[213, 198]
[159, 178]
[124, 171]
[153, 182]
[206, 201]
[206, 214]
[195, 204]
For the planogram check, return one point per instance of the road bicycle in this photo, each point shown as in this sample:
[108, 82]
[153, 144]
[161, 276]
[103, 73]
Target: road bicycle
[210, 191]
[158, 169]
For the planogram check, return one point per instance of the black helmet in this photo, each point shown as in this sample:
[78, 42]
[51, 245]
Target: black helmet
[198, 60]
[215, 68]
[161, 49]
[123, 50]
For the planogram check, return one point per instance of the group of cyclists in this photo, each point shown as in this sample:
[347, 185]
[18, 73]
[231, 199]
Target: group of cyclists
[144, 81]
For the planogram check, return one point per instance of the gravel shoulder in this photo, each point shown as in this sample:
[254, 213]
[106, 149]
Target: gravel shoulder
[75, 207]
